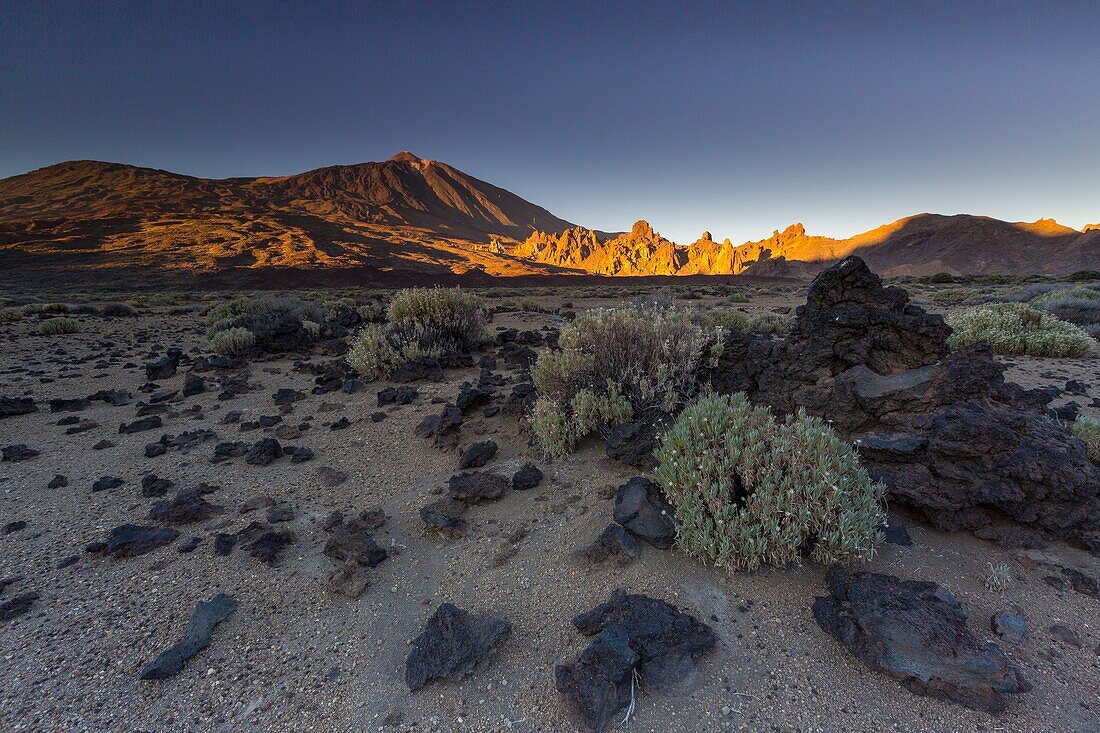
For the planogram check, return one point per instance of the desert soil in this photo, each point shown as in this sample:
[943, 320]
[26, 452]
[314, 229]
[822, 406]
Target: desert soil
[297, 657]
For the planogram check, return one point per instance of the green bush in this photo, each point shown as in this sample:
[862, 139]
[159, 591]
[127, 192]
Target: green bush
[614, 365]
[419, 322]
[1077, 291]
[749, 491]
[1017, 329]
[57, 326]
[277, 323]
[32, 308]
[1088, 430]
[232, 341]
[117, 310]
[10, 315]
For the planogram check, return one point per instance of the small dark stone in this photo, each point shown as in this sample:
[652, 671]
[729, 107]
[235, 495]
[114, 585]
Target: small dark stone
[18, 452]
[163, 368]
[1012, 627]
[1066, 635]
[452, 643]
[196, 637]
[223, 543]
[477, 455]
[193, 384]
[58, 482]
[153, 486]
[14, 406]
[151, 422]
[129, 540]
[185, 507]
[15, 526]
[342, 423]
[377, 416]
[17, 606]
[190, 545]
[264, 452]
[615, 544]
[105, 483]
[897, 534]
[641, 507]
[526, 478]
[476, 486]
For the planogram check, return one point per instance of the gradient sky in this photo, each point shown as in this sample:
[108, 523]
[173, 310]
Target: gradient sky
[738, 118]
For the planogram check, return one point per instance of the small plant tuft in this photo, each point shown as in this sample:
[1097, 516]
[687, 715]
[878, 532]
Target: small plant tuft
[1018, 330]
[58, 326]
[232, 341]
[1088, 430]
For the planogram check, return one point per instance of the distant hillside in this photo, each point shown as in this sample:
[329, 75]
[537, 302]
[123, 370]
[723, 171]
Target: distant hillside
[407, 218]
[917, 245]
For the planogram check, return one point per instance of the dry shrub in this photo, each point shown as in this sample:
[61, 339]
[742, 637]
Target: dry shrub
[1018, 330]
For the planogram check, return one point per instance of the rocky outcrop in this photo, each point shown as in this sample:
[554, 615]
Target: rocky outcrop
[452, 643]
[638, 641]
[916, 633]
[943, 430]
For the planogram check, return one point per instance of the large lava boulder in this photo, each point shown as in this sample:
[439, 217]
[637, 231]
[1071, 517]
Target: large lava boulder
[943, 430]
[916, 633]
[452, 643]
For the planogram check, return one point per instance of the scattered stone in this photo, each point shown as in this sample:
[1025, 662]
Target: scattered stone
[75, 404]
[526, 478]
[151, 422]
[1066, 635]
[184, 508]
[223, 543]
[377, 416]
[196, 637]
[15, 607]
[451, 645]
[15, 406]
[190, 545]
[641, 507]
[299, 454]
[916, 633]
[130, 540]
[442, 428]
[11, 527]
[113, 397]
[615, 544]
[445, 515]
[225, 451]
[477, 455]
[18, 452]
[105, 444]
[476, 486]
[1012, 627]
[105, 483]
[265, 543]
[342, 423]
[82, 426]
[424, 368]
[193, 384]
[897, 534]
[264, 452]
[163, 368]
[634, 635]
[153, 486]
[58, 482]
[330, 476]
[397, 396]
[351, 542]
[470, 398]
[633, 443]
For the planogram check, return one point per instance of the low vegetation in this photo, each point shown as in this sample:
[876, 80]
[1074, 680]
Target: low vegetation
[616, 364]
[10, 315]
[117, 310]
[1019, 330]
[57, 326]
[750, 491]
[277, 324]
[233, 341]
[1088, 430]
[419, 322]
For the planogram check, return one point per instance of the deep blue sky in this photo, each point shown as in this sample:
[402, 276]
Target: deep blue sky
[737, 118]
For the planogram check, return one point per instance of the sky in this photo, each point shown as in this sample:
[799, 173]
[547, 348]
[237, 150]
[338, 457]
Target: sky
[737, 118]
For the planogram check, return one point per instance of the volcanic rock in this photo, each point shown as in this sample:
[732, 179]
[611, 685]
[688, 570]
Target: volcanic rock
[196, 637]
[452, 643]
[641, 507]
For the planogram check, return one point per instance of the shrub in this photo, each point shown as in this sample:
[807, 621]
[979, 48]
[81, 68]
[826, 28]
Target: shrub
[749, 491]
[617, 364]
[1080, 311]
[768, 323]
[419, 322]
[997, 577]
[232, 341]
[1016, 329]
[32, 308]
[1088, 430]
[277, 323]
[117, 310]
[10, 315]
[1084, 275]
[57, 326]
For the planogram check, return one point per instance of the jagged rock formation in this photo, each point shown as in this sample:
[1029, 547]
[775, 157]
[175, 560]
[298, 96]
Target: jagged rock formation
[916, 633]
[918, 245]
[942, 429]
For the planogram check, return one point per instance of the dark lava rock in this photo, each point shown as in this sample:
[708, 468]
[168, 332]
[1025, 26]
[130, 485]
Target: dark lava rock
[152, 422]
[18, 452]
[58, 482]
[185, 507]
[633, 443]
[377, 416]
[11, 527]
[130, 540]
[615, 544]
[476, 486]
[526, 478]
[113, 397]
[196, 637]
[470, 398]
[1012, 627]
[15, 607]
[451, 645]
[14, 406]
[1066, 635]
[444, 515]
[105, 483]
[478, 454]
[287, 396]
[75, 404]
[424, 368]
[341, 424]
[634, 634]
[397, 396]
[163, 368]
[351, 542]
[223, 543]
[299, 454]
[225, 451]
[105, 444]
[641, 507]
[897, 534]
[265, 543]
[916, 633]
[264, 452]
[942, 429]
[442, 428]
[193, 384]
[154, 486]
[1082, 583]
[190, 545]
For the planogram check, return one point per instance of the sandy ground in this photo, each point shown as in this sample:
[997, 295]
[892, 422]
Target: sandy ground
[295, 657]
